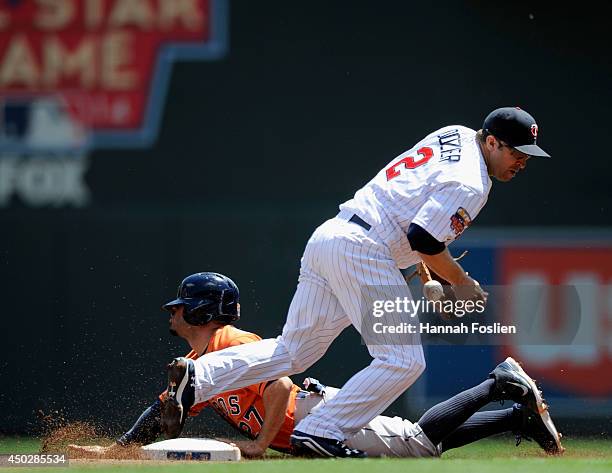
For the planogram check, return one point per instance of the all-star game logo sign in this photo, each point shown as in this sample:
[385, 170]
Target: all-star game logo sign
[77, 75]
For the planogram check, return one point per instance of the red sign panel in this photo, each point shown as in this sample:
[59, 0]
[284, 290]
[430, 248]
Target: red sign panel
[584, 366]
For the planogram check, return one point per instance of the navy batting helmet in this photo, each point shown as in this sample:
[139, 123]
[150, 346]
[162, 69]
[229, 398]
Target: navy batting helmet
[207, 297]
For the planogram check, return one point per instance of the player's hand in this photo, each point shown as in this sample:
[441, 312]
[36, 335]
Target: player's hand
[250, 449]
[469, 290]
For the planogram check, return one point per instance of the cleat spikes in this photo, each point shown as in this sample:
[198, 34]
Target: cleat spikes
[181, 396]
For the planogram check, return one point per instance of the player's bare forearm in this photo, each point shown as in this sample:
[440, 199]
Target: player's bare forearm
[444, 265]
[275, 400]
[437, 259]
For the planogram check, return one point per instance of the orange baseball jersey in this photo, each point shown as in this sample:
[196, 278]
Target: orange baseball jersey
[244, 408]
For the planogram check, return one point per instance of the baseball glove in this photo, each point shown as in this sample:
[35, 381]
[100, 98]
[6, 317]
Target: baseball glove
[426, 274]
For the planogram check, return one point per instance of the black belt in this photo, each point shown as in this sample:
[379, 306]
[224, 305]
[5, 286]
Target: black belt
[359, 221]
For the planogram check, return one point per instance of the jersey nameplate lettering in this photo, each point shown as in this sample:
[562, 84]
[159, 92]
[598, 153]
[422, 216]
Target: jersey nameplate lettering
[450, 145]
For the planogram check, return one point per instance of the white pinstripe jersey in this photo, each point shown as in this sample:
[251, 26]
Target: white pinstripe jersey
[440, 184]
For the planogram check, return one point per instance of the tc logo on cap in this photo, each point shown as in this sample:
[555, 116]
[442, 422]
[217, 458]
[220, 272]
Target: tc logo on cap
[534, 130]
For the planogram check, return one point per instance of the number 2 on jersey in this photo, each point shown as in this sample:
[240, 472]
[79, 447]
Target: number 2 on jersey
[410, 163]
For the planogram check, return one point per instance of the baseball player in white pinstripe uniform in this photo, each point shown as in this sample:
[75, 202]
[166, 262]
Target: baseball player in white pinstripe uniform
[412, 209]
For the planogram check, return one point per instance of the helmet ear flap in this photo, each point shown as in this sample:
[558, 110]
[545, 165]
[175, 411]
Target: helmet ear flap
[196, 315]
[230, 299]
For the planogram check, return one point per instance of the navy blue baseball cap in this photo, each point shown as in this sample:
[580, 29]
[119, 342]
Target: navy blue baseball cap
[516, 128]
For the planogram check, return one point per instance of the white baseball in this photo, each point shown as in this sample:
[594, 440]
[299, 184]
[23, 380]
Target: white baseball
[433, 290]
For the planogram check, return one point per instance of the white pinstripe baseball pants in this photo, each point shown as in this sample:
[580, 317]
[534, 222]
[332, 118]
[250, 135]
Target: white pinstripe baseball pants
[340, 260]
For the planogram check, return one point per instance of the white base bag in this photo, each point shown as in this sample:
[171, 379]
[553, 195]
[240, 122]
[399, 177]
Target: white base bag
[191, 449]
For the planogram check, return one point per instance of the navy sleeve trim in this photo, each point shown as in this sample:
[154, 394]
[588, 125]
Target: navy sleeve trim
[422, 241]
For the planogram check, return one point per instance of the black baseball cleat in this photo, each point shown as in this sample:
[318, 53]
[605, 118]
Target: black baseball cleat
[540, 428]
[307, 445]
[180, 396]
[512, 383]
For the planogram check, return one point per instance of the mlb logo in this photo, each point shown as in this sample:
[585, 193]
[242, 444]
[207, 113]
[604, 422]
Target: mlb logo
[42, 123]
[42, 149]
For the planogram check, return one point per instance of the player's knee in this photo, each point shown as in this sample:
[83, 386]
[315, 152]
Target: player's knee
[411, 367]
[420, 366]
[302, 359]
[419, 362]
[411, 371]
[415, 366]
[300, 364]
